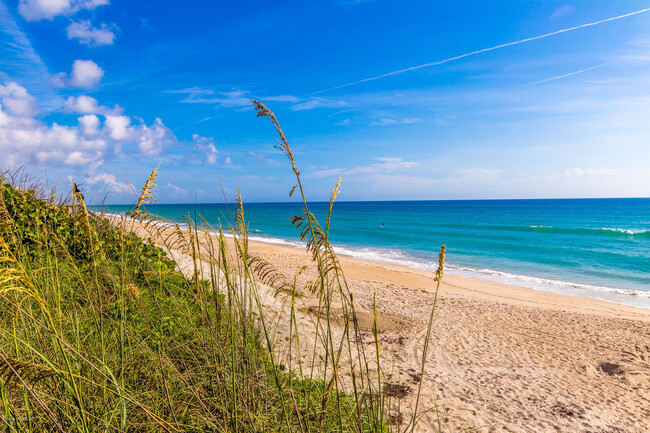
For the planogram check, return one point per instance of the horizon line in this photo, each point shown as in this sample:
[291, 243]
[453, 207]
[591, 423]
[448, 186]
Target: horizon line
[379, 201]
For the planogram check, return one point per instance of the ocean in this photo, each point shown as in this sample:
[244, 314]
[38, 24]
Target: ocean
[596, 248]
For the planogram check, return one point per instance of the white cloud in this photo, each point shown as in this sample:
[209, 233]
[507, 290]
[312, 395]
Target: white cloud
[390, 121]
[26, 140]
[235, 98]
[16, 101]
[257, 156]
[206, 144]
[198, 95]
[152, 139]
[242, 98]
[117, 126]
[59, 80]
[34, 10]
[385, 165]
[175, 191]
[83, 105]
[85, 74]
[110, 183]
[89, 125]
[316, 102]
[384, 122]
[89, 35]
[574, 173]
[192, 92]
[328, 172]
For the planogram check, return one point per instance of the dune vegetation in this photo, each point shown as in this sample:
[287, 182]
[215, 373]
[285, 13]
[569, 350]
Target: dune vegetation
[100, 331]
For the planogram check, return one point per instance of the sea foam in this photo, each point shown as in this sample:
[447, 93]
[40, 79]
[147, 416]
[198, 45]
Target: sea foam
[393, 256]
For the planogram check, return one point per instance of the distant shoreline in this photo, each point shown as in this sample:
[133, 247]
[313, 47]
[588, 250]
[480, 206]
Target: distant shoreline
[634, 298]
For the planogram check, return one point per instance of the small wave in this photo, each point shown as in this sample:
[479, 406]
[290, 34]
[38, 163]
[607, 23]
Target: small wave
[277, 241]
[110, 214]
[397, 257]
[541, 283]
[603, 231]
[393, 256]
[627, 231]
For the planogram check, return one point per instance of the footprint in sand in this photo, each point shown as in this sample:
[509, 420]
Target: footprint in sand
[611, 368]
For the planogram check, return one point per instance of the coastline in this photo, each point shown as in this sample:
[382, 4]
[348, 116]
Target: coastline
[632, 298]
[457, 285]
[502, 358]
[544, 283]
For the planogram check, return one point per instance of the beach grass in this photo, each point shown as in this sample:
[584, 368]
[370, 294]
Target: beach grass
[100, 331]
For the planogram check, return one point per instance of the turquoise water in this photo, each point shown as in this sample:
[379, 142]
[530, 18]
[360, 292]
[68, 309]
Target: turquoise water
[588, 247]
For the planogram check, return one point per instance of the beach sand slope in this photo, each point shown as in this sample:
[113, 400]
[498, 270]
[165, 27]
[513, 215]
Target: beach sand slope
[501, 359]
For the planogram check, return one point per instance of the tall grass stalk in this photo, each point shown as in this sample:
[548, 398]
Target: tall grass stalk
[103, 332]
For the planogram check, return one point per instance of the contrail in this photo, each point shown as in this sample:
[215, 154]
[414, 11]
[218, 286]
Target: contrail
[484, 50]
[194, 123]
[566, 75]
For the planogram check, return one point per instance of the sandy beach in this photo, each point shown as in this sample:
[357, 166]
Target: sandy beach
[506, 358]
[502, 358]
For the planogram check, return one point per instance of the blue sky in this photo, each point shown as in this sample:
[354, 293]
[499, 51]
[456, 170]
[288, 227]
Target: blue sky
[103, 90]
